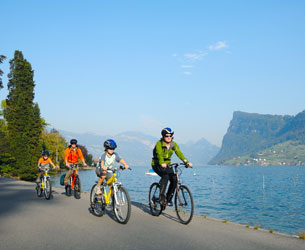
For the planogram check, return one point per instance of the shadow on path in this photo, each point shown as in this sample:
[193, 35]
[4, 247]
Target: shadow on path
[14, 195]
[145, 208]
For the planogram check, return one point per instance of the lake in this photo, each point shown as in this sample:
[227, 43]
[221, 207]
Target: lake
[271, 197]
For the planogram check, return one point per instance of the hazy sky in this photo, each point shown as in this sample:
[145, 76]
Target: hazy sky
[113, 66]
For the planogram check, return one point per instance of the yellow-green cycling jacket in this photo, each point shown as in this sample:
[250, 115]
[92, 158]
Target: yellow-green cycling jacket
[163, 155]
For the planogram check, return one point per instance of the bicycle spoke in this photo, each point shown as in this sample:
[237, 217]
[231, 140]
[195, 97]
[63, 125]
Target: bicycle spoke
[121, 205]
[153, 199]
[184, 204]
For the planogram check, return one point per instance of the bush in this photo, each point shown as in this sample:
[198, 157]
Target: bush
[7, 171]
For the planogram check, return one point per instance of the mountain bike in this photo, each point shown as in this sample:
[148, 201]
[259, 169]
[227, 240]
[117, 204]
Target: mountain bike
[74, 183]
[184, 204]
[117, 196]
[44, 187]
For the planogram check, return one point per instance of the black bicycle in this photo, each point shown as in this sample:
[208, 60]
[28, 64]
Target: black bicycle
[184, 204]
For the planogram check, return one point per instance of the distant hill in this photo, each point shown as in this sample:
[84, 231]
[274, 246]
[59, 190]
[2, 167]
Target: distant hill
[136, 148]
[253, 133]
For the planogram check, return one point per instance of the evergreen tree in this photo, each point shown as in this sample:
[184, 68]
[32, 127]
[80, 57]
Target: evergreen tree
[22, 116]
[1, 72]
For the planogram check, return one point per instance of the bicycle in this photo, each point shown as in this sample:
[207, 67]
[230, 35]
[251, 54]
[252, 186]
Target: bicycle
[74, 183]
[117, 195]
[184, 204]
[44, 187]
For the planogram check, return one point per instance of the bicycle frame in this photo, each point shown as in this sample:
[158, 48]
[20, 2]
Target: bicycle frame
[44, 177]
[72, 177]
[111, 182]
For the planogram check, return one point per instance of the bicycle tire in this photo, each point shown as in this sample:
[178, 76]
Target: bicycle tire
[153, 199]
[98, 208]
[48, 189]
[77, 188]
[122, 205]
[184, 204]
[39, 190]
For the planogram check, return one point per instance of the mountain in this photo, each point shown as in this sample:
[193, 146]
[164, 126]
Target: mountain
[136, 148]
[250, 133]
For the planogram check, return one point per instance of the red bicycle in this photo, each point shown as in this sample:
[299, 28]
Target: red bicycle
[74, 183]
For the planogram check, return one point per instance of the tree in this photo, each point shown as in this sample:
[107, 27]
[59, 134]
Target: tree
[56, 144]
[2, 58]
[23, 117]
[88, 157]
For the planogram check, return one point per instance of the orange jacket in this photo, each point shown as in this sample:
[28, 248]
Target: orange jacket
[73, 155]
[43, 161]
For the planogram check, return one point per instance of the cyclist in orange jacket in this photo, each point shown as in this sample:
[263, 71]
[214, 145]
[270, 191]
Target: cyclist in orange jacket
[72, 154]
[44, 161]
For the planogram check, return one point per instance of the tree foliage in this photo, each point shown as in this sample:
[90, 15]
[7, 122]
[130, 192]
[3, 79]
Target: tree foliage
[2, 58]
[88, 157]
[56, 144]
[23, 117]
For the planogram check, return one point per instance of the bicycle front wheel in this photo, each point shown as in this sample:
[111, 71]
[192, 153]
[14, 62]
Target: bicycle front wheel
[77, 187]
[121, 205]
[47, 189]
[184, 204]
[96, 203]
[153, 199]
[39, 190]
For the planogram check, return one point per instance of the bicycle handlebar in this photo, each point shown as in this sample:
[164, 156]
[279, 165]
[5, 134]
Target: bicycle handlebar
[175, 165]
[120, 167]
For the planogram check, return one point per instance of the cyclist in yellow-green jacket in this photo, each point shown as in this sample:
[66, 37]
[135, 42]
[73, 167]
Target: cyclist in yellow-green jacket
[162, 153]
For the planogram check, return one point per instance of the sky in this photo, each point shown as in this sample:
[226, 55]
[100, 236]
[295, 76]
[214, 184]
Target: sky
[108, 67]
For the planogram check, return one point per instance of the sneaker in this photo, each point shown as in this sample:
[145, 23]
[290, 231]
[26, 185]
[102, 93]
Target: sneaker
[170, 203]
[163, 200]
[98, 191]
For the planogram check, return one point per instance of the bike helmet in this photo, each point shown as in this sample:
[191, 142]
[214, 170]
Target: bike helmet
[109, 144]
[73, 141]
[45, 152]
[166, 131]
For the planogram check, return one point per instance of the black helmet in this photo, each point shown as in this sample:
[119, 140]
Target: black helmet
[73, 141]
[166, 131]
[45, 152]
[109, 144]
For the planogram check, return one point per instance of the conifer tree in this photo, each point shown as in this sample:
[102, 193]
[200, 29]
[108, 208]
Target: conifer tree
[22, 115]
[1, 72]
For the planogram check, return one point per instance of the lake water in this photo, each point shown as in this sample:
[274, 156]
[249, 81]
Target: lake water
[271, 197]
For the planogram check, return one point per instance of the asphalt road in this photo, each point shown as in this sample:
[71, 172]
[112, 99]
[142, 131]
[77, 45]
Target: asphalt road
[29, 222]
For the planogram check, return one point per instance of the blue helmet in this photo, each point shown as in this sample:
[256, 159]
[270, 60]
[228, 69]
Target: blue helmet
[166, 131]
[110, 144]
[45, 152]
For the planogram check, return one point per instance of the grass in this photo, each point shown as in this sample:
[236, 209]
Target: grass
[271, 230]
[302, 235]
[256, 227]
[225, 221]
[205, 216]
[248, 226]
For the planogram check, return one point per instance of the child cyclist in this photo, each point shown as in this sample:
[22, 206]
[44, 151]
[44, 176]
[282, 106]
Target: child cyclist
[107, 161]
[44, 161]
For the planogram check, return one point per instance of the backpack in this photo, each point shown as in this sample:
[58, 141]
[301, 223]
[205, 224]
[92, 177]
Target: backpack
[62, 179]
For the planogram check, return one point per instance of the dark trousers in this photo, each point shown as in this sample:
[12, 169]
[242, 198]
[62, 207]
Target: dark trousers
[166, 174]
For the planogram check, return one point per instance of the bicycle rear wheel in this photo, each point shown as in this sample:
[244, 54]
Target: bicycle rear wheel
[97, 204]
[184, 204]
[153, 199]
[121, 205]
[47, 189]
[77, 187]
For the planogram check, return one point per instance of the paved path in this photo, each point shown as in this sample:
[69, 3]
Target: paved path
[29, 222]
